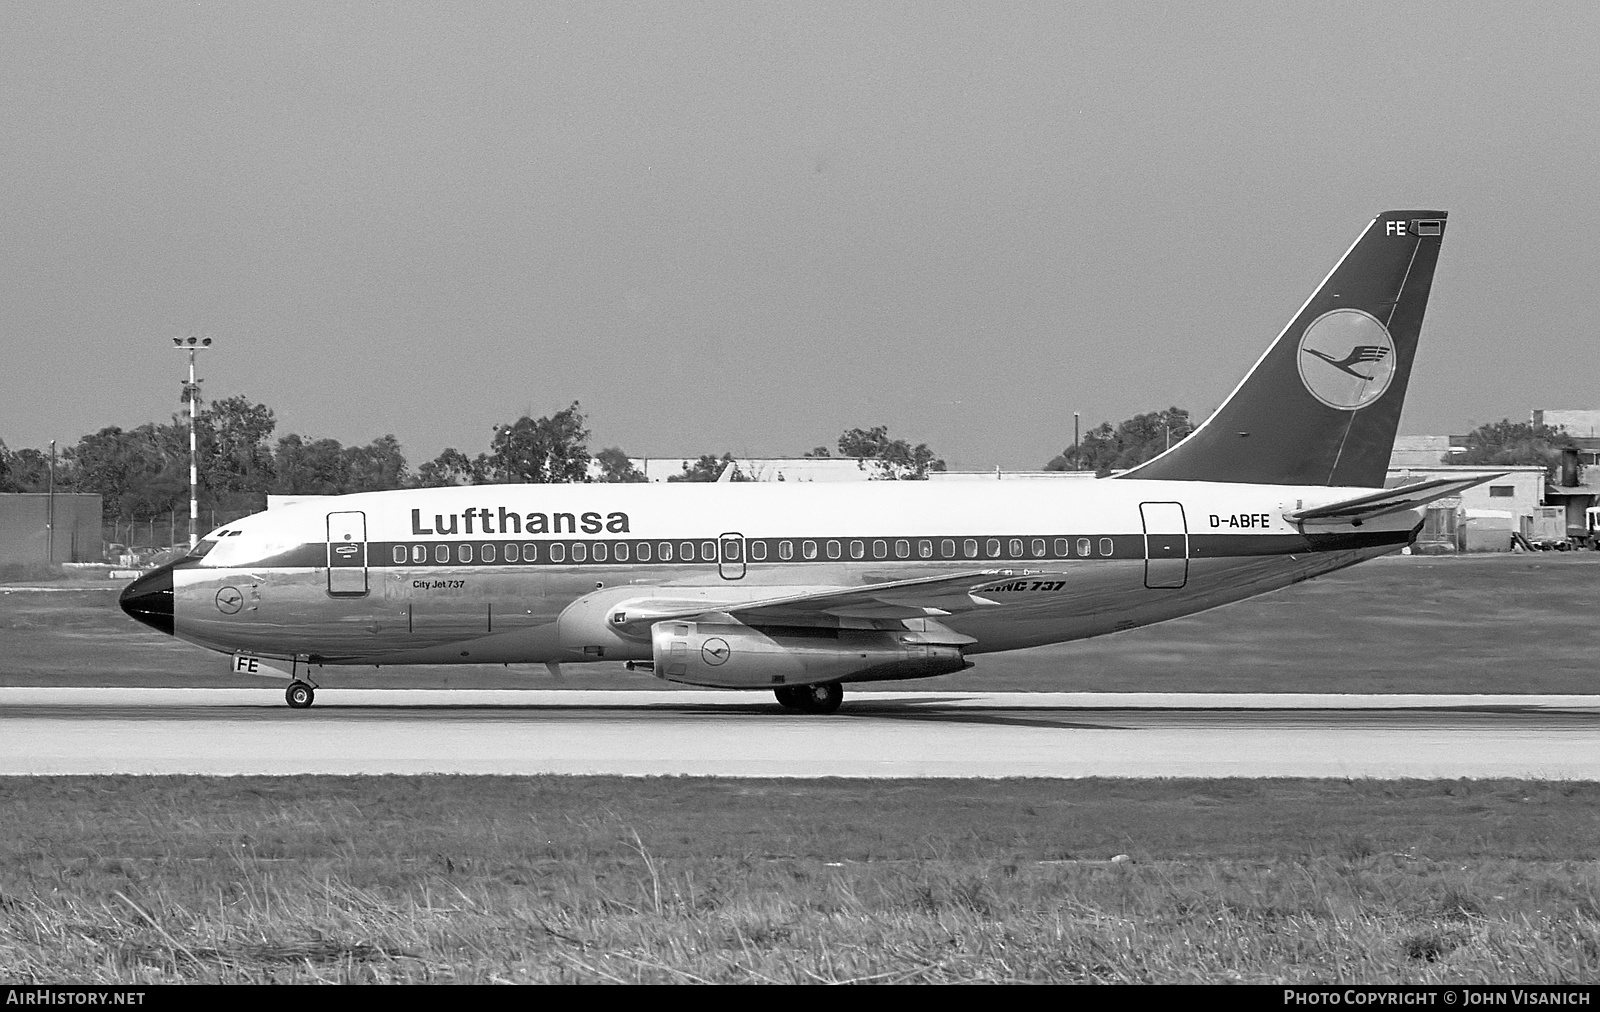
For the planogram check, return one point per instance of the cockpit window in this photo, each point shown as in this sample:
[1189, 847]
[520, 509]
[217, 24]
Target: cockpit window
[199, 551]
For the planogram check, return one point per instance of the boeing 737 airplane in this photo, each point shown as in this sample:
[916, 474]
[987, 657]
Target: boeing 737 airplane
[799, 588]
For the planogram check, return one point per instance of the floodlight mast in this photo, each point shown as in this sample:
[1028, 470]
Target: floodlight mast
[191, 390]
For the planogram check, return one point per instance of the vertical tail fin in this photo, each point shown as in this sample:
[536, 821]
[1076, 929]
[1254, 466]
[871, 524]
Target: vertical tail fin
[1322, 405]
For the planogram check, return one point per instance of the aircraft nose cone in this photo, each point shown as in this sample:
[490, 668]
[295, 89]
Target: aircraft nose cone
[149, 599]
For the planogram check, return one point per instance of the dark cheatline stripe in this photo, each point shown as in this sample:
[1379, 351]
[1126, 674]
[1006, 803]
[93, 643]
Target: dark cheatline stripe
[985, 550]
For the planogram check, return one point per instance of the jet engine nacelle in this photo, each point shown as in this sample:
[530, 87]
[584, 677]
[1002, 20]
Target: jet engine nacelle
[746, 657]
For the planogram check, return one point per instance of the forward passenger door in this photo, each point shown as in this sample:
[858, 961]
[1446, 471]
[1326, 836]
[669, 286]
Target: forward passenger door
[347, 554]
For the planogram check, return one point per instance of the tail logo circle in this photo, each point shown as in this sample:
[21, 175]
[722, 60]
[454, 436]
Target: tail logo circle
[1346, 359]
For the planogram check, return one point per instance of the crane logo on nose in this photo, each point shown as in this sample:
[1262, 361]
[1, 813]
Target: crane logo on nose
[229, 600]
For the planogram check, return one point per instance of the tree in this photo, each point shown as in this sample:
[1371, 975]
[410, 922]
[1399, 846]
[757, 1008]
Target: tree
[325, 467]
[1513, 443]
[237, 464]
[120, 466]
[889, 460]
[710, 468]
[1104, 449]
[376, 467]
[818, 451]
[305, 466]
[452, 467]
[616, 467]
[25, 470]
[543, 451]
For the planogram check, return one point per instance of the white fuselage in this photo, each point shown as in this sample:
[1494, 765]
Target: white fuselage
[529, 573]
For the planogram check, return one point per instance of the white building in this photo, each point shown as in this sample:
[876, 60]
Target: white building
[1583, 424]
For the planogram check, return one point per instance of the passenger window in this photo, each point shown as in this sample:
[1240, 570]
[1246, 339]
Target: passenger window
[686, 551]
[580, 552]
[758, 551]
[419, 554]
[858, 550]
[601, 551]
[399, 554]
[665, 553]
[947, 549]
[620, 551]
[730, 550]
[441, 554]
[993, 547]
[644, 551]
[1016, 548]
[1038, 548]
[785, 550]
[1105, 546]
[833, 549]
[558, 552]
[925, 549]
[969, 547]
[1083, 547]
[510, 553]
[880, 550]
[1063, 547]
[487, 554]
[902, 549]
[530, 553]
[708, 551]
[464, 553]
[809, 550]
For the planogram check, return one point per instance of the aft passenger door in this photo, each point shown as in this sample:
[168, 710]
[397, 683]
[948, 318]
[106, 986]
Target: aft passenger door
[1166, 545]
[347, 554]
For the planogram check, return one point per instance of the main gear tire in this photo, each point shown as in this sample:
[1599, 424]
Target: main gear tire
[824, 697]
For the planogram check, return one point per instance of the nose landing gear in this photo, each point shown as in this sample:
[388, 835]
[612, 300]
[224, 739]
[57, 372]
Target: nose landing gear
[299, 695]
[821, 698]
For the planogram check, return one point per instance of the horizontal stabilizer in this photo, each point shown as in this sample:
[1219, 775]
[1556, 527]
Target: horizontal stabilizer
[1362, 508]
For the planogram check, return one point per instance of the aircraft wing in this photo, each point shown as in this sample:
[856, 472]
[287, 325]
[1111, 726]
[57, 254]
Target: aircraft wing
[928, 597]
[921, 598]
[1362, 508]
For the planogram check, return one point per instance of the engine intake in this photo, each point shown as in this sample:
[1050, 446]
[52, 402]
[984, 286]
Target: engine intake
[747, 657]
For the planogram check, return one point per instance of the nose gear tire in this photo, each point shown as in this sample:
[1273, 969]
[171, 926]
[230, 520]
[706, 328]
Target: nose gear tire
[299, 695]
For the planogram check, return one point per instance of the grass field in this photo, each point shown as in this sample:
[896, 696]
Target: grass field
[1482, 623]
[593, 879]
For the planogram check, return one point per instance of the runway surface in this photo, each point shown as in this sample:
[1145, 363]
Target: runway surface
[887, 734]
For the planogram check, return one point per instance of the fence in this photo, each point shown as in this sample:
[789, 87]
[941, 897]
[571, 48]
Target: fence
[166, 531]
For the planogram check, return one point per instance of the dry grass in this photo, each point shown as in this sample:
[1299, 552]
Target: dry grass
[590, 879]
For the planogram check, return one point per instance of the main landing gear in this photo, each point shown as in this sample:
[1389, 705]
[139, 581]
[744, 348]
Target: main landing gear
[299, 695]
[823, 697]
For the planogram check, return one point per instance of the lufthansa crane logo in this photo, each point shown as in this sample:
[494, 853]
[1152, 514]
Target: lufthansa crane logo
[714, 651]
[1346, 359]
[229, 600]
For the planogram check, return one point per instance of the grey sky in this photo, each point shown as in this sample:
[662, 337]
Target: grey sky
[742, 227]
